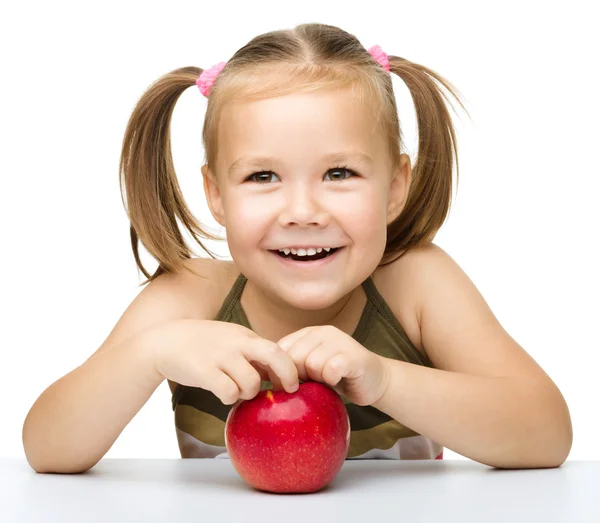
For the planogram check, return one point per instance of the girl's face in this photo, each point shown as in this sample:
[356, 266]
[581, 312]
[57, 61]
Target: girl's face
[305, 169]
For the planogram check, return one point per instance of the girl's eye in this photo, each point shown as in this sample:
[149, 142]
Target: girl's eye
[336, 170]
[265, 176]
[260, 177]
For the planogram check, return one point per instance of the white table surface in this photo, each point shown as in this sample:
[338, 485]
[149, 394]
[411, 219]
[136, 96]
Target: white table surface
[208, 490]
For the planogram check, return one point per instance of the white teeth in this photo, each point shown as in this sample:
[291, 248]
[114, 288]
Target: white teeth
[305, 252]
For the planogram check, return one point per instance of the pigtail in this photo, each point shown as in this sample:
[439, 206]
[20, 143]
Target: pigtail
[430, 194]
[148, 181]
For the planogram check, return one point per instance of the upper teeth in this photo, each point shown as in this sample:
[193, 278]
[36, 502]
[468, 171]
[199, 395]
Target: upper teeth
[305, 252]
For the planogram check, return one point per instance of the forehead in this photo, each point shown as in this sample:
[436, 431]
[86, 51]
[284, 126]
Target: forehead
[298, 126]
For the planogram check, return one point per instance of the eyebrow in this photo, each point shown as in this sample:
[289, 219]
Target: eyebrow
[342, 156]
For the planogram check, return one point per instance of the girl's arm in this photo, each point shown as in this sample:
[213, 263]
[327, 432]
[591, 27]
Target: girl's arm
[487, 399]
[77, 419]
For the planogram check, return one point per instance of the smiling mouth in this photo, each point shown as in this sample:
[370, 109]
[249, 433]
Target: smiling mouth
[306, 258]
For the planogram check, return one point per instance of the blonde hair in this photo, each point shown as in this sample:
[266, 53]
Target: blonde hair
[308, 57]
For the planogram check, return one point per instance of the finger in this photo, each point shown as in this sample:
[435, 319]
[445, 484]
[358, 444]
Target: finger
[222, 386]
[287, 341]
[263, 370]
[279, 362]
[244, 375]
[299, 352]
[334, 370]
[266, 374]
[315, 361]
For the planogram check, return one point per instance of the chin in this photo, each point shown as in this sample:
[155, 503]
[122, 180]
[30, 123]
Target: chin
[312, 296]
[309, 303]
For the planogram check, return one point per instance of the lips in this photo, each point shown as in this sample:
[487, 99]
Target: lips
[295, 262]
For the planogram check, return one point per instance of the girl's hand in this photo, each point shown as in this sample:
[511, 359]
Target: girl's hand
[326, 354]
[225, 358]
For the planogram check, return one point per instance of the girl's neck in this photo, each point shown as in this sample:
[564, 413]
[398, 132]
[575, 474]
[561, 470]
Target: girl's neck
[260, 311]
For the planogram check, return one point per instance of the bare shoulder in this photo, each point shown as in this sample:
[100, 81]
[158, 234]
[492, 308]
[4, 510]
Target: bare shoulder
[457, 329]
[417, 274]
[193, 292]
[200, 288]
[395, 282]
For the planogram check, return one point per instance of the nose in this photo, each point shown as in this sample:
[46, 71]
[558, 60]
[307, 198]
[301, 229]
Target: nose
[302, 207]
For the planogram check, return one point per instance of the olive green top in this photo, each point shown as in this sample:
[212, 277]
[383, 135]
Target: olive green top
[200, 416]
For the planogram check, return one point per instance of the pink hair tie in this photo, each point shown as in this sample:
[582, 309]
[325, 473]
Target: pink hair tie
[379, 55]
[206, 80]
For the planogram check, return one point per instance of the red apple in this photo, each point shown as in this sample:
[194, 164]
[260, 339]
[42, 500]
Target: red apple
[289, 442]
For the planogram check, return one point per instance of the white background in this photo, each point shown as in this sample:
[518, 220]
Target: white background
[524, 224]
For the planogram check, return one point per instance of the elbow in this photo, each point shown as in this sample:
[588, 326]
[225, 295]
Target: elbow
[59, 470]
[552, 455]
[544, 439]
[546, 458]
[49, 466]
[44, 460]
[556, 432]
[532, 453]
[549, 434]
[559, 445]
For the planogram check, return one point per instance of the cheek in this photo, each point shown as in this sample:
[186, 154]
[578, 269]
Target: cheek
[247, 219]
[241, 210]
[365, 221]
[364, 214]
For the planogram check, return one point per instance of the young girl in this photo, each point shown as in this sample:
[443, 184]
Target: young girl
[334, 276]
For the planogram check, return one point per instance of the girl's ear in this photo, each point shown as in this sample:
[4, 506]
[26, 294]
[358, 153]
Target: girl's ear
[399, 188]
[213, 195]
